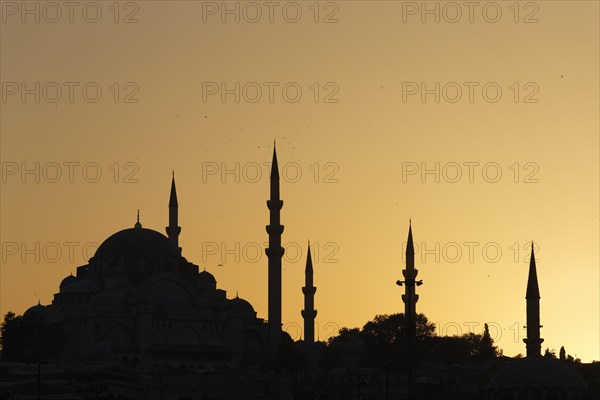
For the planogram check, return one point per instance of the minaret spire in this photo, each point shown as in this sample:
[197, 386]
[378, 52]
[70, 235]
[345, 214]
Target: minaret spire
[410, 249]
[274, 165]
[173, 230]
[274, 252]
[532, 296]
[309, 313]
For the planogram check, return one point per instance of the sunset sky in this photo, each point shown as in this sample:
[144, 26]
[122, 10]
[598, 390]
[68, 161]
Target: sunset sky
[480, 122]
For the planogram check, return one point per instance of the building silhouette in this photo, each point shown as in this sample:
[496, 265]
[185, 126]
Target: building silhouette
[140, 304]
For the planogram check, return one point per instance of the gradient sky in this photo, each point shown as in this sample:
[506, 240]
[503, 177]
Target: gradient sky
[356, 143]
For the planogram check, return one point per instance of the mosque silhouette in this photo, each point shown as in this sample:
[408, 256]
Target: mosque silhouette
[141, 321]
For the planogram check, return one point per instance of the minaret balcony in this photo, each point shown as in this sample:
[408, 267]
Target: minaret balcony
[173, 230]
[274, 229]
[410, 273]
[309, 290]
[274, 251]
[274, 204]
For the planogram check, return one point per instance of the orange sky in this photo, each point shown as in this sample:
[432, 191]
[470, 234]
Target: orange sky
[381, 113]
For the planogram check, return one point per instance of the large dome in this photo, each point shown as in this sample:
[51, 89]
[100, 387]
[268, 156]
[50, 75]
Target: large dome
[137, 242]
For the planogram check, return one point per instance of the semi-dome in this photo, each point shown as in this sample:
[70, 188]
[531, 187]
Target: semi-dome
[536, 373]
[137, 242]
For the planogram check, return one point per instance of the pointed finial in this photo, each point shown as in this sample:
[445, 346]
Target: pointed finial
[274, 166]
[236, 295]
[410, 231]
[410, 248]
[173, 195]
[533, 290]
[309, 266]
[39, 302]
[173, 173]
[138, 224]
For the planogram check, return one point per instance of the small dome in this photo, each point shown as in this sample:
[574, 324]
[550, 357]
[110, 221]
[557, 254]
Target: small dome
[241, 305]
[83, 285]
[137, 242]
[206, 280]
[68, 280]
[532, 372]
[205, 276]
[37, 310]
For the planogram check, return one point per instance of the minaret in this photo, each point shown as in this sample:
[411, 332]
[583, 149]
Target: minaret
[409, 297]
[533, 340]
[274, 251]
[309, 313]
[173, 230]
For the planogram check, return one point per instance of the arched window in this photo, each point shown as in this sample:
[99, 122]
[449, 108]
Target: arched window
[516, 394]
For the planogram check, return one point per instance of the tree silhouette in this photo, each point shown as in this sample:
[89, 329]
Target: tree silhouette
[562, 353]
[487, 350]
[383, 340]
[344, 335]
[389, 329]
[30, 338]
[550, 353]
